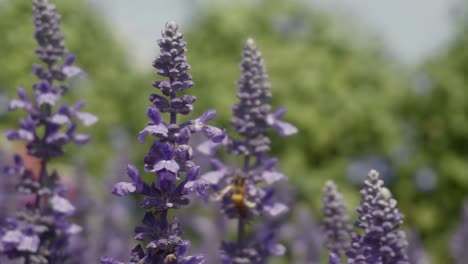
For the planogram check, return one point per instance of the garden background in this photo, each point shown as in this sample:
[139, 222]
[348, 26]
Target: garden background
[358, 102]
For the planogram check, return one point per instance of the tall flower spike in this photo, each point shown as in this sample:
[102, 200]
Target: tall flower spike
[169, 158]
[379, 219]
[336, 225]
[244, 190]
[40, 231]
[460, 238]
[253, 114]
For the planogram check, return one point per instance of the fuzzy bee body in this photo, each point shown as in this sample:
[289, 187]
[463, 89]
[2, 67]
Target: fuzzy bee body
[238, 195]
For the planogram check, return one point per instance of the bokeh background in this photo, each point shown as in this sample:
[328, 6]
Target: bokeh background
[370, 84]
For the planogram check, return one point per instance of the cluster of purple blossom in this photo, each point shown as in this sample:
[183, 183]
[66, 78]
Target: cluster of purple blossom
[244, 190]
[39, 232]
[380, 241]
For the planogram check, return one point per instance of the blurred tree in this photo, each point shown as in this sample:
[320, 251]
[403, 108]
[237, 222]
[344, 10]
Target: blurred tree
[110, 87]
[436, 109]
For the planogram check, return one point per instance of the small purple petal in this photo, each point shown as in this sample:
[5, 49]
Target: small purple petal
[61, 205]
[78, 105]
[276, 249]
[73, 229]
[279, 113]
[22, 94]
[29, 243]
[159, 129]
[70, 59]
[208, 115]
[57, 137]
[270, 164]
[88, 119]
[170, 165]
[275, 209]
[20, 134]
[133, 173]
[184, 137]
[213, 177]
[154, 114]
[80, 139]
[192, 173]
[44, 86]
[18, 104]
[123, 188]
[59, 119]
[167, 176]
[284, 128]
[333, 259]
[271, 177]
[12, 237]
[215, 134]
[71, 71]
[47, 98]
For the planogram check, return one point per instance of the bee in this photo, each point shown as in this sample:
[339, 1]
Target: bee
[238, 194]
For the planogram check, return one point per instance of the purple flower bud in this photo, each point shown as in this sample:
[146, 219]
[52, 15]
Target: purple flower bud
[380, 219]
[336, 221]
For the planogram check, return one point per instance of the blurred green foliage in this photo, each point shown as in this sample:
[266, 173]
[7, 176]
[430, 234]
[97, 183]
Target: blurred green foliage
[436, 108]
[344, 95]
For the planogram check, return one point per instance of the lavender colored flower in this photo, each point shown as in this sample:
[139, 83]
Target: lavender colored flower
[39, 233]
[304, 237]
[459, 238]
[238, 188]
[415, 250]
[169, 158]
[105, 221]
[335, 220]
[333, 259]
[379, 219]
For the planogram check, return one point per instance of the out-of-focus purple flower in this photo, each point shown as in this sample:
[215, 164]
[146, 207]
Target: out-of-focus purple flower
[244, 190]
[303, 236]
[105, 220]
[170, 158]
[7, 192]
[415, 250]
[379, 219]
[333, 259]
[40, 232]
[459, 238]
[336, 226]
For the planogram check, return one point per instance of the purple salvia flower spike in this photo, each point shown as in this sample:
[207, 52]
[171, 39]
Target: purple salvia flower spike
[380, 220]
[41, 230]
[240, 193]
[169, 158]
[336, 226]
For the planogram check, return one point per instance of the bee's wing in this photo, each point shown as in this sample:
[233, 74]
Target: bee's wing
[219, 195]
